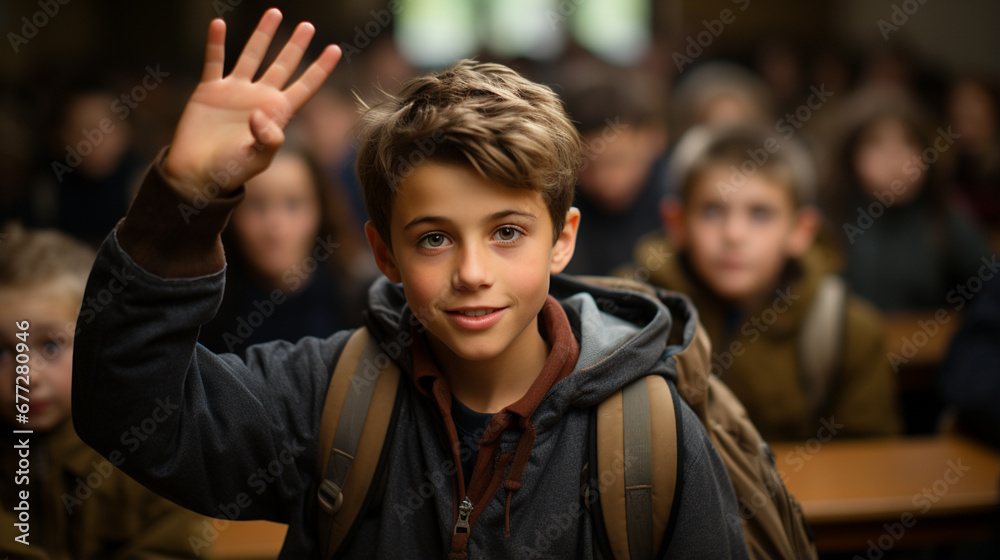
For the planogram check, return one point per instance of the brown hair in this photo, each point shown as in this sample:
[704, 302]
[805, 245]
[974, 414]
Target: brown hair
[748, 149]
[29, 259]
[485, 115]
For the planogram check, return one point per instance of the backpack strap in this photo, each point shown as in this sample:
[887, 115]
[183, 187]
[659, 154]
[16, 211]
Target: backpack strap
[357, 423]
[635, 472]
[821, 340]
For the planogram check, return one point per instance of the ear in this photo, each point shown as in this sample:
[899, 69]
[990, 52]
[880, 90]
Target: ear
[804, 230]
[384, 258]
[562, 252]
[672, 218]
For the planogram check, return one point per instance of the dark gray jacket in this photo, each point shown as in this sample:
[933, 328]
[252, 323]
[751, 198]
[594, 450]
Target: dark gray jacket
[238, 439]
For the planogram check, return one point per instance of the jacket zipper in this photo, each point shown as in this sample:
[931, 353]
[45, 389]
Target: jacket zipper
[464, 510]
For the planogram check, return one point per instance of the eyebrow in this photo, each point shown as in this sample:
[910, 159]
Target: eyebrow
[492, 217]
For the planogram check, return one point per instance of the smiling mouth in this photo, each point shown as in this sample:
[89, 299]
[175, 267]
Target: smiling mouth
[475, 312]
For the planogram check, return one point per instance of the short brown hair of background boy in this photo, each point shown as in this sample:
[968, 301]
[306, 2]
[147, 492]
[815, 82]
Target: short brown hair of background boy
[485, 115]
[744, 150]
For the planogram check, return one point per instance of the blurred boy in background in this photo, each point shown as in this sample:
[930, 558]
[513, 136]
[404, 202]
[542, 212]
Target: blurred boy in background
[618, 114]
[80, 505]
[745, 226]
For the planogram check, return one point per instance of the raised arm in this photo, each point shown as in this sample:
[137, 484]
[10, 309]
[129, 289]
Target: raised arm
[220, 435]
[229, 132]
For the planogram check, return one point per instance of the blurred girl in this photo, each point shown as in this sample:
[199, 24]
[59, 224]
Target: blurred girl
[295, 267]
[906, 248]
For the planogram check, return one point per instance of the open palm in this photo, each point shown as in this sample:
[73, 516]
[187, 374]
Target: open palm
[232, 125]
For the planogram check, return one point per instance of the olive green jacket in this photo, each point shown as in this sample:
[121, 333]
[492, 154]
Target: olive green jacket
[82, 507]
[758, 355]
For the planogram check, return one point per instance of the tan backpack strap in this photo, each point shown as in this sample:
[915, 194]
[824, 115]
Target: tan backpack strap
[637, 466]
[821, 340]
[356, 418]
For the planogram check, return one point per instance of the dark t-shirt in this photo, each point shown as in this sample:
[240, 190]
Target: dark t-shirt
[470, 426]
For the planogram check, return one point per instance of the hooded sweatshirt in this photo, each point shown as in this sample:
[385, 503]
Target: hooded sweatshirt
[241, 438]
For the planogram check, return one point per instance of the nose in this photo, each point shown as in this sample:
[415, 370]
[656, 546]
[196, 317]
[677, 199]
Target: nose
[734, 228]
[472, 270]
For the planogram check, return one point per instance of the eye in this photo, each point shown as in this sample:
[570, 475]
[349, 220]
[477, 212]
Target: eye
[761, 214]
[507, 234]
[433, 241]
[711, 211]
[51, 348]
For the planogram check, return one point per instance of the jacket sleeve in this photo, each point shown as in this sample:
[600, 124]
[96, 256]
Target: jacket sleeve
[866, 400]
[216, 434]
[707, 521]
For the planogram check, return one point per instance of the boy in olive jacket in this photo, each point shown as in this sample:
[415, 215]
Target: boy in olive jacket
[744, 229]
[63, 500]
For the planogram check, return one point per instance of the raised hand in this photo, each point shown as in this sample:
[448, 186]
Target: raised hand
[232, 126]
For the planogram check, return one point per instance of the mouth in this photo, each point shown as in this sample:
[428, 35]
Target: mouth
[478, 312]
[475, 318]
[38, 408]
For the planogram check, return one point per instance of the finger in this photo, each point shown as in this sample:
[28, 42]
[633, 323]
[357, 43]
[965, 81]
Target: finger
[299, 91]
[215, 51]
[290, 56]
[256, 47]
[266, 132]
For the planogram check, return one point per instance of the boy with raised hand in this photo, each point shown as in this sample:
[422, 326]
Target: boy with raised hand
[468, 176]
[63, 500]
[744, 227]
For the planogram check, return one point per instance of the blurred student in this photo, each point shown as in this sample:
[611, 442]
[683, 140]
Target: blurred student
[296, 267]
[906, 246]
[719, 93]
[79, 505]
[86, 181]
[619, 116]
[747, 257]
[974, 167]
[970, 375]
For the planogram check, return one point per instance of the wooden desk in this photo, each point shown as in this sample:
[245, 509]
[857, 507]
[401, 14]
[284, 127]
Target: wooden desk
[907, 492]
[249, 540]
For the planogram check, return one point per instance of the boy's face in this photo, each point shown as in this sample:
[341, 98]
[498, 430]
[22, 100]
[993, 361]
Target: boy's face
[51, 317]
[739, 239]
[474, 257]
[618, 165]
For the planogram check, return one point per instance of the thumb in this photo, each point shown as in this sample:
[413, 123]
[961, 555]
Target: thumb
[266, 131]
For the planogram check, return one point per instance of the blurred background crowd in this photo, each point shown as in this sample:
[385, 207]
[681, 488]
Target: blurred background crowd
[896, 103]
